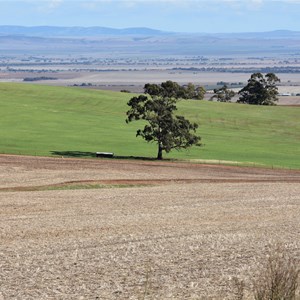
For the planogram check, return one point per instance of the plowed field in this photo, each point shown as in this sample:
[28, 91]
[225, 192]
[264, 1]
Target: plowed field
[154, 230]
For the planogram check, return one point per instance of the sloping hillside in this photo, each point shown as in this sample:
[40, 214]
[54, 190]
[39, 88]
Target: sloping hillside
[43, 120]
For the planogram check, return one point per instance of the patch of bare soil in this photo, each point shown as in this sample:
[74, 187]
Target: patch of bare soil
[183, 237]
[289, 100]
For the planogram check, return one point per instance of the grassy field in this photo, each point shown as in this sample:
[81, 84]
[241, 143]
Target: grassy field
[43, 120]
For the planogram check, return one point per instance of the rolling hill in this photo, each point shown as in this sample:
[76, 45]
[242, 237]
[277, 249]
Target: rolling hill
[43, 120]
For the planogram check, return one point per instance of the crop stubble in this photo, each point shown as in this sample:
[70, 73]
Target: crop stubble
[184, 237]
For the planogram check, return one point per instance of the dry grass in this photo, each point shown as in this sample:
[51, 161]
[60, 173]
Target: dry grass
[279, 277]
[178, 240]
[238, 289]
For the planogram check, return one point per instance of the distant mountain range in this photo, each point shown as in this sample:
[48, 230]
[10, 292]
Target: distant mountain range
[22, 40]
[58, 31]
[55, 31]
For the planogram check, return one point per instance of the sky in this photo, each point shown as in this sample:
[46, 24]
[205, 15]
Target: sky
[211, 16]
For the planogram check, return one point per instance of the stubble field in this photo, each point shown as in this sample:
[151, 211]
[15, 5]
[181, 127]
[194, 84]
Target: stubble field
[166, 231]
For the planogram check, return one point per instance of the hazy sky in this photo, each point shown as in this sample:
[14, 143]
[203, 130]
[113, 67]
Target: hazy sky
[169, 15]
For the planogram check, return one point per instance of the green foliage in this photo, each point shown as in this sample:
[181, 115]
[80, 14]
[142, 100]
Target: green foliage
[192, 92]
[165, 129]
[171, 89]
[200, 92]
[260, 90]
[38, 120]
[223, 94]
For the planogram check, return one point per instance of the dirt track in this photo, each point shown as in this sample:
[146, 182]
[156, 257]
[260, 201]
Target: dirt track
[22, 171]
[183, 237]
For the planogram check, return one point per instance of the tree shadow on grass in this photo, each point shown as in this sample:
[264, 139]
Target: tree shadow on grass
[134, 157]
[74, 153]
[82, 154]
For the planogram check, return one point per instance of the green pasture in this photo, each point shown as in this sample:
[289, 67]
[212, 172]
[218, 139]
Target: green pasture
[44, 120]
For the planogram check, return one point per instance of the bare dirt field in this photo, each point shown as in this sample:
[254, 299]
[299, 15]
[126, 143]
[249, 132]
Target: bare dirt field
[181, 231]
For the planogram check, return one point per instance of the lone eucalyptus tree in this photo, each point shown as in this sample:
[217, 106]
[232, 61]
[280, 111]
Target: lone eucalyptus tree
[169, 131]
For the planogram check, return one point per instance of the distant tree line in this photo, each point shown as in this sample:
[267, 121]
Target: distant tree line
[83, 84]
[39, 78]
[287, 69]
[227, 83]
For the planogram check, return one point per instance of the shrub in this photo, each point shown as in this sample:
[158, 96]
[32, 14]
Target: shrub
[278, 279]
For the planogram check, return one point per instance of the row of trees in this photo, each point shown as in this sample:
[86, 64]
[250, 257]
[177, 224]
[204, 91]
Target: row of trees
[171, 89]
[260, 90]
[158, 105]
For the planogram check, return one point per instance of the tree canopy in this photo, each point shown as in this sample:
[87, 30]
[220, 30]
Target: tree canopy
[172, 89]
[169, 131]
[260, 90]
[223, 94]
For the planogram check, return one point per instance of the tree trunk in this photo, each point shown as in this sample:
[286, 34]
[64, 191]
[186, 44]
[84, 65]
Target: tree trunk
[159, 154]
